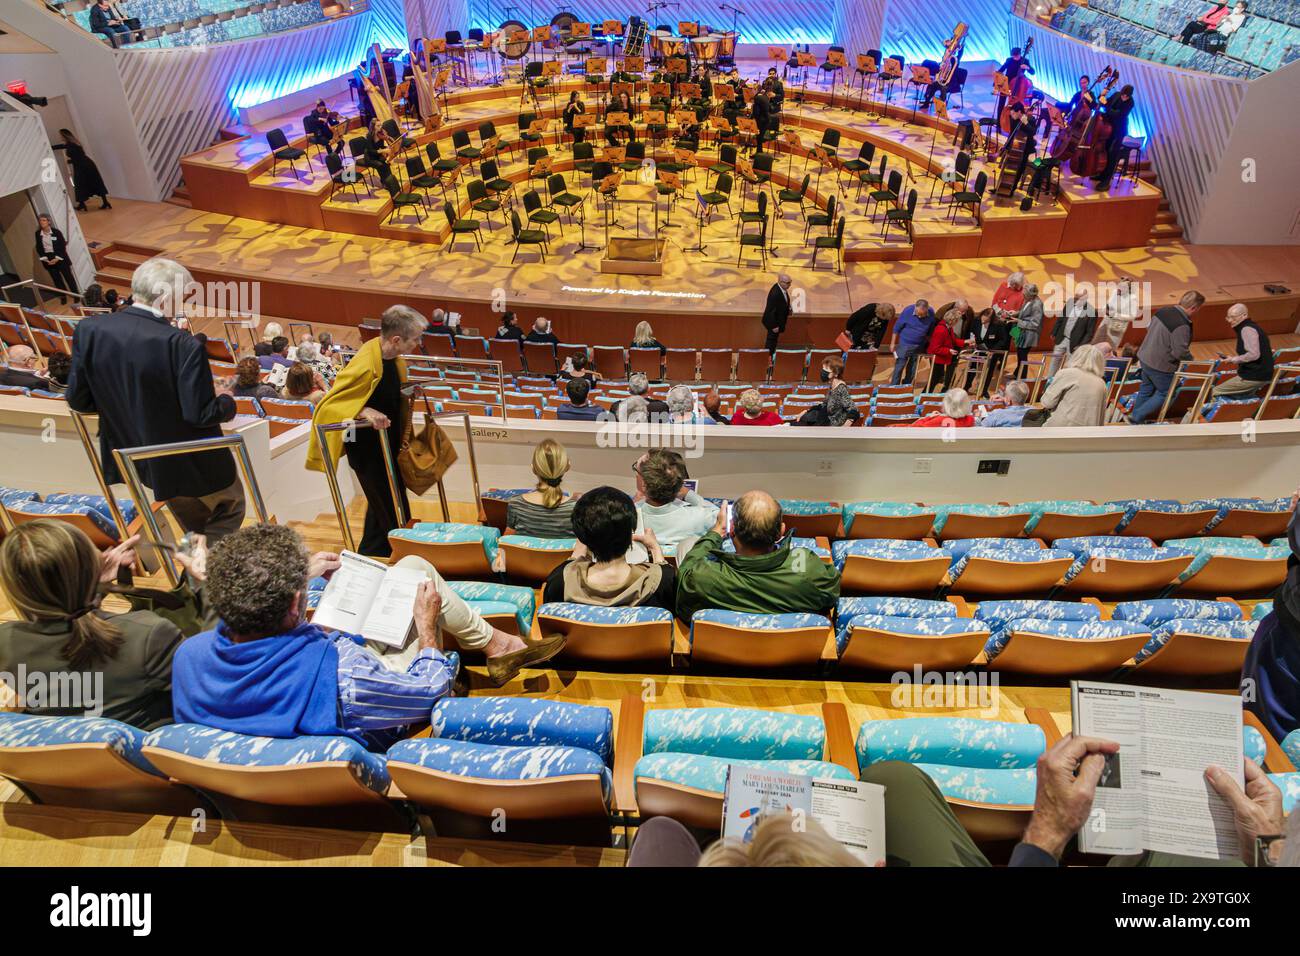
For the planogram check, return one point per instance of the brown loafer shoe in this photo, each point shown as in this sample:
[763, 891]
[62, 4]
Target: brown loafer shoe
[502, 670]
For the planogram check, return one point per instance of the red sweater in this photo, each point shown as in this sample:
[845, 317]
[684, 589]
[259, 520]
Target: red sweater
[767, 418]
[943, 344]
[939, 421]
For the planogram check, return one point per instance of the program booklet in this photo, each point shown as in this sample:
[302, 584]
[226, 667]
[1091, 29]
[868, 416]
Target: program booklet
[851, 811]
[1153, 794]
[370, 598]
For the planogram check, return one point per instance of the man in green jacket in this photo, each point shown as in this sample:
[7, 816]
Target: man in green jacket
[760, 577]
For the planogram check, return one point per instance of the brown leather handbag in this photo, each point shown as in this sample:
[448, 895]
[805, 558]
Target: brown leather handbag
[425, 457]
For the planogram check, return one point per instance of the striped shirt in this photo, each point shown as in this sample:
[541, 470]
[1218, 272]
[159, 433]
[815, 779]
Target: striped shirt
[374, 698]
[525, 517]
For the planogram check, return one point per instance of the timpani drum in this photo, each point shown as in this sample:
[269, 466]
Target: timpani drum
[666, 44]
[706, 46]
[728, 47]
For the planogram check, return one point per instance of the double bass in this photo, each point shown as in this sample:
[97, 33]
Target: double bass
[1090, 156]
[1021, 87]
[1079, 123]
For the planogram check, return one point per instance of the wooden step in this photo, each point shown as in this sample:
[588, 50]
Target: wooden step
[1166, 215]
[1166, 231]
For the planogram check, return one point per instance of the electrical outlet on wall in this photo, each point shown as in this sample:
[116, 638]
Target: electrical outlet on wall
[922, 466]
[825, 466]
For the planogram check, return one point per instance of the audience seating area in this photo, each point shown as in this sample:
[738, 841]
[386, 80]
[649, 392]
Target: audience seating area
[178, 23]
[554, 767]
[1270, 37]
[91, 513]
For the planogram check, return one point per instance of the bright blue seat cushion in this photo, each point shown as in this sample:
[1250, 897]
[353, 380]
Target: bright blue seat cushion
[916, 626]
[463, 758]
[239, 750]
[522, 600]
[997, 614]
[442, 532]
[983, 785]
[31, 730]
[894, 607]
[710, 773]
[951, 741]
[1082, 508]
[736, 732]
[1252, 744]
[942, 512]
[798, 506]
[1074, 630]
[97, 502]
[888, 549]
[1289, 784]
[1237, 630]
[884, 509]
[525, 722]
[757, 622]
[592, 614]
[1261, 610]
[1167, 609]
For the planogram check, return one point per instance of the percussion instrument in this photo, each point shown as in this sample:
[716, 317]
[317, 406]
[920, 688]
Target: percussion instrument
[517, 40]
[706, 46]
[634, 45]
[666, 45]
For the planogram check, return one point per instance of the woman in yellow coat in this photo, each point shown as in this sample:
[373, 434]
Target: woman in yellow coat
[369, 388]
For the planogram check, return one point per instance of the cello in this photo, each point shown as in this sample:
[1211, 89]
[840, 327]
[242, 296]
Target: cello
[1021, 87]
[1090, 156]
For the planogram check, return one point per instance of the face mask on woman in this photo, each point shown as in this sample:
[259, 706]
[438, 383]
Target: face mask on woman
[826, 375]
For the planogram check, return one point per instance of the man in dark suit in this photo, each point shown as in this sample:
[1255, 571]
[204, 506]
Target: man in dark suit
[151, 385]
[762, 108]
[1116, 109]
[777, 312]
[52, 250]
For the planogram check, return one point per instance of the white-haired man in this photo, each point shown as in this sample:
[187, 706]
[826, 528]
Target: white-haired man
[638, 386]
[22, 370]
[150, 383]
[1253, 359]
[1013, 415]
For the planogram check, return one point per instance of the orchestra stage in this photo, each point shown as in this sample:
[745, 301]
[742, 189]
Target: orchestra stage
[340, 256]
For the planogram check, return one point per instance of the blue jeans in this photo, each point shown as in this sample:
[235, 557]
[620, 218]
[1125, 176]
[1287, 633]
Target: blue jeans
[1151, 394]
[906, 361]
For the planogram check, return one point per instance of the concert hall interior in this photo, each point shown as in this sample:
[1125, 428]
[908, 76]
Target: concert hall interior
[436, 322]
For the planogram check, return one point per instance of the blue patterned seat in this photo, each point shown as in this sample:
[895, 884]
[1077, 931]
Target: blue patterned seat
[309, 781]
[1291, 746]
[16, 496]
[1070, 518]
[998, 614]
[1289, 784]
[1252, 744]
[1163, 610]
[529, 758]
[686, 750]
[1162, 518]
[532, 559]
[609, 633]
[848, 607]
[811, 519]
[976, 763]
[99, 528]
[809, 544]
[899, 643]
[1239, 566]
[886, 519]
[758, 640]
[1166, 632]
[1063, 647]
[978, 520]
[889, 566]
[1003, 566]
[494, 600]
[1119, 565]
[456, 550]
[1261, 610]
[90, 762]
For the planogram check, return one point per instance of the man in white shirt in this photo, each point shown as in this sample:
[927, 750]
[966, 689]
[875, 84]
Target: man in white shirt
[666, 507]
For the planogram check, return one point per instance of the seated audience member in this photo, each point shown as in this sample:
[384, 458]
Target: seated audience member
[261, 350]
[104, 20]
[508, 329]
[279, 354]
[765, 575]
[922, 830]
[546, 511]
[266, 672]
[713, 407]
[59, 367]
[837, 409]
[604, 521]
[750, 411]
[867, 326]
[541, 332]
[644, 338]
[326, 343]
[438, 325]
[1077, 394]
[93, 297]
[634, 411]
[1253, 358]
[248, 381]
[1016, 393]
[300, 385]
[51, 573]
[578, 409]
[23, 370]
[271, 331]
[309, 354]
[668, 508]
[578, 365]
[113, 301]
[956, 412]
[681, 407]
[638, 384]
[1272, 667]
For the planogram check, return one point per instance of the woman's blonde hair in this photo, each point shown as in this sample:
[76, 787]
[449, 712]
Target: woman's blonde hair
[50, 572]
[779, 842]
[550, 463]
[1088, 358]
[644, 335]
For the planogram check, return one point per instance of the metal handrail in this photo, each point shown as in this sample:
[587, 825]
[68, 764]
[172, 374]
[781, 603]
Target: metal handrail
[126, 461]
[1205, 378]
[1272, 385]
[331, 476]
[473, 462]
[88, 444]
[495, 365]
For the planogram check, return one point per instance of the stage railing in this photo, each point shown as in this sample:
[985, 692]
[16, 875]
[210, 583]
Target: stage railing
[441, 363]
[1278, 371]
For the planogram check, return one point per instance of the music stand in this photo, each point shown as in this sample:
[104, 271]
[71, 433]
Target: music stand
[836, 61]
[792, 143]
[867, 71]
[804, 61]
[674, 182]
[701, 210]
[921, 79]
[608, 187]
